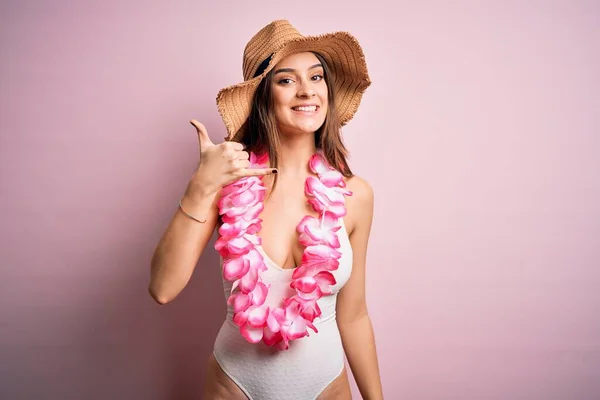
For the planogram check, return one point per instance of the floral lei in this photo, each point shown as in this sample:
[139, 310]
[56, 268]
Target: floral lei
[240, 205]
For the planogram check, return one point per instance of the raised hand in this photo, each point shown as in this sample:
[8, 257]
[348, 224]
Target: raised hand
[221, 164]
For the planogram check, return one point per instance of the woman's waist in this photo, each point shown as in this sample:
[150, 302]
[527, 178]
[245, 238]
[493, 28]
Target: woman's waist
[326, 341]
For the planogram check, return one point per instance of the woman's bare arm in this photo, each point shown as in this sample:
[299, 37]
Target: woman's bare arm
[184, 240]
[181, 245]
[353, 319]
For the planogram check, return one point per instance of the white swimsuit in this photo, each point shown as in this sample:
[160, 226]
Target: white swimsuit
[309, 365]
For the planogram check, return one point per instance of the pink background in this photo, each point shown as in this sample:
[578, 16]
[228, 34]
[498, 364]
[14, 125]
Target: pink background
[479, 136]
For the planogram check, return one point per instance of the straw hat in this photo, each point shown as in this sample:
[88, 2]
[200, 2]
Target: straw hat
[276, 41]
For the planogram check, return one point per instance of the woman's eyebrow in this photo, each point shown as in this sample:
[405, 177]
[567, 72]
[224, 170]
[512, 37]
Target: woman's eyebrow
[293, 70]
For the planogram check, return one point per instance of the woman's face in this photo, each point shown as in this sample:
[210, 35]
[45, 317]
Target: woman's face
[298, 81]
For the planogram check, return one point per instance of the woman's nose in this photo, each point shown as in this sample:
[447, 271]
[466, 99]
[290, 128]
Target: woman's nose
[306, 90]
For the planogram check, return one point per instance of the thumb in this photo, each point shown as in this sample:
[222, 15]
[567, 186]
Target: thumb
[203, 138]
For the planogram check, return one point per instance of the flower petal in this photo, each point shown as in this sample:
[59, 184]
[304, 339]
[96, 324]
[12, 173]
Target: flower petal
[316, 205]
[235, 187]
[245, 198]
[339, 210]
[235, 268]
[271, 338]
[318, 164]
[272, 322]
[231, 229]
[320, 252]
[254, 227]
[240, 318]
[331, 178]
[311, 326]
[256, 260]
[251, 334]
[254, 211]
[305, 284]
[248, 281]
[314, 295]
[232, 246]
[257, 316]
[259, 161]
[240, 301]
[259, 294]
[325, 280]
[330, 221]
[311, 310]
[308, 220]
[297, 328]
[305, 270]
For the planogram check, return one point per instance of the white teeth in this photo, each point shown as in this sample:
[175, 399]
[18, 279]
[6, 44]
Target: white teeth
[310, 108]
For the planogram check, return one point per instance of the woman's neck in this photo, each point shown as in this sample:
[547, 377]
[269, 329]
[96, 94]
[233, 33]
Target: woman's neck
[294, 153]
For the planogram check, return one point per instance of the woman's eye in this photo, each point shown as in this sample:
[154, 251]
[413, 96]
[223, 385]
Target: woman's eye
[315, 78]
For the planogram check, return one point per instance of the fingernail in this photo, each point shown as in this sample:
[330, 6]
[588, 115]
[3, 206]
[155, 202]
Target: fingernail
[274, 171]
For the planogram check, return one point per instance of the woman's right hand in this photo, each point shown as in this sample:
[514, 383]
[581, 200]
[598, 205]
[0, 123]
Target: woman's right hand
[220, 164]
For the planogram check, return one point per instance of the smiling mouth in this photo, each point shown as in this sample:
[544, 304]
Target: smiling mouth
[306, 109]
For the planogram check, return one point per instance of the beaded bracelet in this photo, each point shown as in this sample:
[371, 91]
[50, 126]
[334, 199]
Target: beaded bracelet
[189, 215]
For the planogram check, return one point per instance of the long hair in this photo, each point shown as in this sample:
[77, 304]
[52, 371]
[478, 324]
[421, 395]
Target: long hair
[262, 134]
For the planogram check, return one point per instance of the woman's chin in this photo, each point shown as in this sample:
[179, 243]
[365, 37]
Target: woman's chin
[300, 129]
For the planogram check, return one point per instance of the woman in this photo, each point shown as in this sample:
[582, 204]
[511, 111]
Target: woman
[294, 278]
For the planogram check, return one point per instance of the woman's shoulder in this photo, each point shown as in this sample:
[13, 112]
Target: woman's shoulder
[360, 203]
[361, 190]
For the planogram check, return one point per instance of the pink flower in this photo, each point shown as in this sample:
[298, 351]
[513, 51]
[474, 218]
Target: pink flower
[329, 176]
[236, 267]
[307, 284]
[248, 282]
[317, 258]
[326, 195]
[275, 319]
[239, 227]
[285, 324]
[236, 187]
[241, 301]
[259, 294]
[255, 316]
[323, 198]
[325, 280]
[312, 232]
[238, 201]
[318, 253]
[260, 161]
[295, 326]
[271, 338]
[252, 322]
[229, 247]
[251, 334]
[311, 310]
[318, 164]
[252, 212]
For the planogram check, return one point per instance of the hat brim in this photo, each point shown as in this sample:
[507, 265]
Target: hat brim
[345, 59]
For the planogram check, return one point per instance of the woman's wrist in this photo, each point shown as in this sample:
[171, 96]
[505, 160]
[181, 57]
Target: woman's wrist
[199, 187]
[196, 204]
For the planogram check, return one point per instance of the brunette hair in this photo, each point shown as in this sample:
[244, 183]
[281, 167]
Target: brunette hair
[262, 134]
